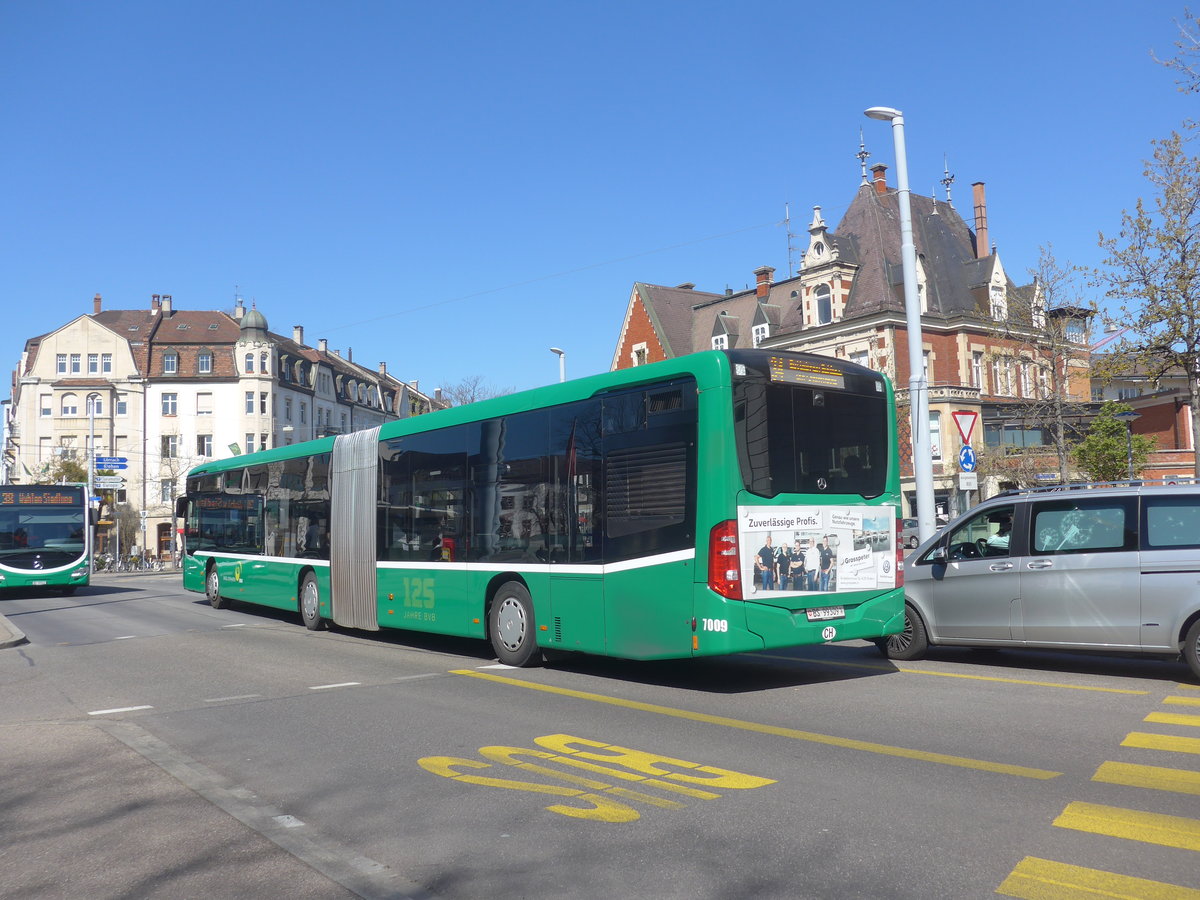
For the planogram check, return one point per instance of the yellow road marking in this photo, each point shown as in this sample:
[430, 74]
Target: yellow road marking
[1168, 742]
[1151, 828]
[847, 743]
[888, 668]
[1043, 879]
[1156, 778]
[1172, 719]
[1182, 701]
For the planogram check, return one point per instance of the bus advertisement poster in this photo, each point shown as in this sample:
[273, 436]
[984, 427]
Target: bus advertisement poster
[817, 549]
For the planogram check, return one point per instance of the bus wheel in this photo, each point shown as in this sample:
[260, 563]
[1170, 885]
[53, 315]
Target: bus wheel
[912, 642]
[310, 603]
[212, 588]
[1191, 648]
[510, 625]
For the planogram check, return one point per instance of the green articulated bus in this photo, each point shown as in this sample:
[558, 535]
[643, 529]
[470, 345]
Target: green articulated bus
[45, 538]
[721, 502]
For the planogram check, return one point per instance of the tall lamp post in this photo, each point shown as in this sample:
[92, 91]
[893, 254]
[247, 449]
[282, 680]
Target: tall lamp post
[918, 387]
[562, 363]
[1128, 417]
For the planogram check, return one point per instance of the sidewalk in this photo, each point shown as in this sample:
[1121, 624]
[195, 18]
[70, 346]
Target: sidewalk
[10, 635]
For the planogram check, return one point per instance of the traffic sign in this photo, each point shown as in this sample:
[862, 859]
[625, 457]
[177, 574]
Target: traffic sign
[111, 462]
[968, 481]
[108, 482]
[966, 458]
[99, 466]
[965, 420]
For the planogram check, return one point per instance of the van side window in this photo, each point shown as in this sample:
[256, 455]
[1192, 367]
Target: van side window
[983, 535]
[1083, 526]
[1171, 522]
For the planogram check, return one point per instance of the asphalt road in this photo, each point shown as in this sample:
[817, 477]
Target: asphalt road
[164, 748]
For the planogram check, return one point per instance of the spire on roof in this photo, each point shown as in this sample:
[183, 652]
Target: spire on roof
[862, 155]
[947, 180]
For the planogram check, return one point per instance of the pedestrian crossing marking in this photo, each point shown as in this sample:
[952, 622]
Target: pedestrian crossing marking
[1044, 879]
[1172, 719]
[1148, 741]
[1133, 825]
[1182, 701]
[1156, 778]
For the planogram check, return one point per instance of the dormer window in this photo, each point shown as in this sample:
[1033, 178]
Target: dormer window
[170, 363]
[824, 304]
[998, 305]
[720, 342]
[760, 333]
[249, 363]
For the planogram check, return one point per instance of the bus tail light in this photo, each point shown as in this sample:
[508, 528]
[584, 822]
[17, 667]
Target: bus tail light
[724, 564]
[899, 552]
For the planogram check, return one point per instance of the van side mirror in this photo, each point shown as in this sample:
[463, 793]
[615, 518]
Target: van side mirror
[938, 555]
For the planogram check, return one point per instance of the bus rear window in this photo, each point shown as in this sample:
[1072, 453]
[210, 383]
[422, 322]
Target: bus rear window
[802, 440]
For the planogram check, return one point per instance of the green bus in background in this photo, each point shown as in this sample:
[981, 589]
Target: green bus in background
[45, 536]
[721, 502]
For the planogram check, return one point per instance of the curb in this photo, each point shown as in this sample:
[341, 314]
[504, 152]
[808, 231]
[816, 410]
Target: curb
[10, 635]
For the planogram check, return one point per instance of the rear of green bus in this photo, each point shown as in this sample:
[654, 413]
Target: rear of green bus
[799, 497]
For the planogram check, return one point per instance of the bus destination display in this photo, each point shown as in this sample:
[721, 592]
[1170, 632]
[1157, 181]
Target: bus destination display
[39, 497]
[806, 371]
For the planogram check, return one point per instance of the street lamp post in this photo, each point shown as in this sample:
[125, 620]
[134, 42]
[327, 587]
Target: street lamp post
[562, 363]
[1128, 417]
[918, 387]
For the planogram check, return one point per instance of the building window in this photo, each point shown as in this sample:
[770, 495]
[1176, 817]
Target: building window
[999, 306]
[204, 445]
[167, 490]
[925, 365]
[303, 412]
[824, 304]
[1128, 393]
[249, 362]
[122, 404]
[95, 405]
[262, 402]
[343, 423]
[263, 363]
[860, 358]
[61, 363]
[935, 435]
[250, 402]
[170, 404]
[46, 406]
[170, 363]
[204, 404]
[106, 363]
[287, 409]
[249, 443]
[70, 405]
[262, 442]
[76, 362]
[93, 363]
[760, 333]
[720, 342]
[170, 446]
[977, 369]
[204, 363]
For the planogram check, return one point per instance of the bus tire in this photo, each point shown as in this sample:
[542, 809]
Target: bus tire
[212, 588]
[511, 625]
[1191, 648]
[912, 642]
[310, 603]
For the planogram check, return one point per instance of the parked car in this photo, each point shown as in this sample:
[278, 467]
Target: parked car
[908, 534]
[1066, 568]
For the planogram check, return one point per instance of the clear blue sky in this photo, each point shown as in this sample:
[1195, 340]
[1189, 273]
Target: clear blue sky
[456, 187]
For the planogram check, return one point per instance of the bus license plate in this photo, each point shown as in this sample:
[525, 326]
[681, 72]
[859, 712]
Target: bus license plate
[36, 583]
[821, 613]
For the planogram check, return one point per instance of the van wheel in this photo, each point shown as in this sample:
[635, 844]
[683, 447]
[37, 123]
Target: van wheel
[1191, 648]
[212, 588]
[310, 603]
[511, 625]
[912, 642]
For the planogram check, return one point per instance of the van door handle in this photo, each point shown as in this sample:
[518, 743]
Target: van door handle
[1000, 567]
[1040, 564]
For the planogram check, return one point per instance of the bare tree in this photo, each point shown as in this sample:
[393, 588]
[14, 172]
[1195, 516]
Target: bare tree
[1153, 270]
[470, 389]
[1042, 349]
[1186, 61]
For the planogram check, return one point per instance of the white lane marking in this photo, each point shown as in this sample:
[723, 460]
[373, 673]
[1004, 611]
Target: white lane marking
[237, 625]
[287, 821]
[325, 687]
[497, 666]
[125, 637]
[120, 709]
[235, 697]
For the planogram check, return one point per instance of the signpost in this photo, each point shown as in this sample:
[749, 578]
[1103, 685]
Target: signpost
[109, 483]
[111, 462]
[968, 480]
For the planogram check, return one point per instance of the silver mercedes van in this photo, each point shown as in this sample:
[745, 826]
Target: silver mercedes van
[1078, 567]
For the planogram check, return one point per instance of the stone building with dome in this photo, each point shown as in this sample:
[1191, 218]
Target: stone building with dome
[169, 388]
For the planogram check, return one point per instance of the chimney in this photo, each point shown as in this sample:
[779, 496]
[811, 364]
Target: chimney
[879, 170]
[763, 274]
[323, 345]
[96, 305]
[298, 334]
[166, 305]
[383, 368]
[155, 304]
[981, 229]
[239, 309]
[414, 384]
[686, 286]
[349, 354]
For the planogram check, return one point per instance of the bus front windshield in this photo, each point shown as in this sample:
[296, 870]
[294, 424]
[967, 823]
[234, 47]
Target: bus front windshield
[795, 439]
[41, 527]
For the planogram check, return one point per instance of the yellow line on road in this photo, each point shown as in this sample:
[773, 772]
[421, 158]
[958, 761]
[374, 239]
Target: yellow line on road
[1151, 828]
[1043, 879]
[882, 667]
[1182, 701]
[1157, 778]
[813, 737]
[1148, 741]
[1172, 719]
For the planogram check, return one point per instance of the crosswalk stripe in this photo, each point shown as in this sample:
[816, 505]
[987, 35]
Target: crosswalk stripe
[1172, 719]
[1150, 828]
[1044, 879]
[1182, 701]
[1156, 778]
[1148, 741]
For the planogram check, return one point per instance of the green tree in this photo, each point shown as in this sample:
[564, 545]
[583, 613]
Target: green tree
[62, 469]
[1153, 271]
[1104, 453]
